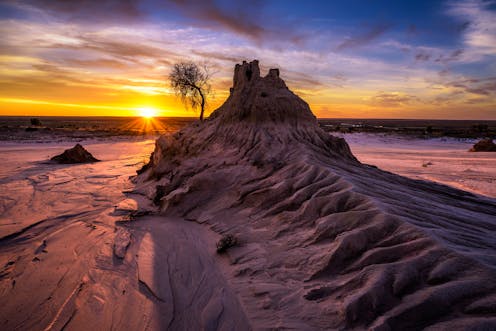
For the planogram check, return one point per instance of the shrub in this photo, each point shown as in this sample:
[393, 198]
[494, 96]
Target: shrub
[35, 122]
[226, 242]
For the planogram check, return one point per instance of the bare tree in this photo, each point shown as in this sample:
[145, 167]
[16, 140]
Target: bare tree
[191, 82]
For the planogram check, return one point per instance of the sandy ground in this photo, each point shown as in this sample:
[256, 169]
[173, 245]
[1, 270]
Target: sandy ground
[33, 190]
[443, 160]
[57, 229]
[62, 228]
[323, 241]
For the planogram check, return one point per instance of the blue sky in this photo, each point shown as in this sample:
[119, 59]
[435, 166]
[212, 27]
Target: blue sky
[399, 59]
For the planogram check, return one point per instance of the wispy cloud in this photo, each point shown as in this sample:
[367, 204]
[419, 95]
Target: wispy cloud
[480, 86]
[392, 99]
[364, 37]
[453, 56]
[479, 22]
[422, 56]
[102, 11]
[242, 19]
[97, 63]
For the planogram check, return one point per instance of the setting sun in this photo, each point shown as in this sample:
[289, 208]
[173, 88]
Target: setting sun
[147, 112]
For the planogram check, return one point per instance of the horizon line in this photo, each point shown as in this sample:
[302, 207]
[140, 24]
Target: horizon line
[319, 118]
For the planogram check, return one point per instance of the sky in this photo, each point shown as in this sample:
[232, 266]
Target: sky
[347, 59]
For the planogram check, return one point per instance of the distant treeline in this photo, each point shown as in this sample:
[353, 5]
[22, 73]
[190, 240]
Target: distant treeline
[13, 127]
[425, 128]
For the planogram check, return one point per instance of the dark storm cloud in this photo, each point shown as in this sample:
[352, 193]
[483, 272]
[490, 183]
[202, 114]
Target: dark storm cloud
[363, 38]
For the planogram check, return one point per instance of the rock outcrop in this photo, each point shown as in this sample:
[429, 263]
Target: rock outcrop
[326, 242]
[261, 119]
[484, 145]
[262, 100]
[77, 154]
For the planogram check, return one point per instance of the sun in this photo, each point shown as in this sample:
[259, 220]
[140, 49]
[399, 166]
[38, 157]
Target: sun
[147, 112]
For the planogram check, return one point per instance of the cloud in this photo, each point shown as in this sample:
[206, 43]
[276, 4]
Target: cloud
[237, 18]
[444, 99]
[88, 10]
[60, 41]
[453, 56]
[392, 99]
[304, 81]
[221, 56]
[478, 26]
[97, 63]
[479, 86]
[241, 19]
[422, 56]
[121, 48]
[363, 38]
[478, 100]
[427, 53]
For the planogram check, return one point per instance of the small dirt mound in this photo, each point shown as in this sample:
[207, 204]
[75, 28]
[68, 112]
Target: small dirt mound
[77, 154]
[484, 145]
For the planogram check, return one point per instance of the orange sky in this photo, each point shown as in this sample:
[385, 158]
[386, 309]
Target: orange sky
[88, 102]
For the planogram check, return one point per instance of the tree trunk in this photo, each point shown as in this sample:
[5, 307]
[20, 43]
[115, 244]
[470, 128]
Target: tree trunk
[202, 104]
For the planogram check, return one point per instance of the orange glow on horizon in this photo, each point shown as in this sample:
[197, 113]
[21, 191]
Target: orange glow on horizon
[147, 112]
[28, 107]
[144, 125]
[327, 104]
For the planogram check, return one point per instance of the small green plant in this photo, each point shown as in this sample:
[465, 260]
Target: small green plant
[226, 242]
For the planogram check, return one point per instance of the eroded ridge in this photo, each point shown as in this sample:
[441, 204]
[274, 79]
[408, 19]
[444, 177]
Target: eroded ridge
[326, 242]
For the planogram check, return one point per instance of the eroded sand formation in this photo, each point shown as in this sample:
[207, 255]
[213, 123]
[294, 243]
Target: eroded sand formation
[326, 242]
